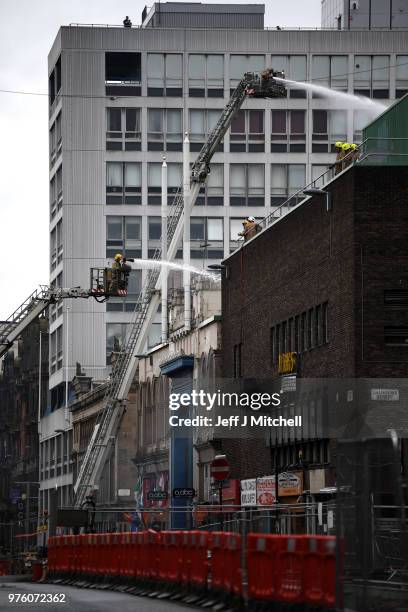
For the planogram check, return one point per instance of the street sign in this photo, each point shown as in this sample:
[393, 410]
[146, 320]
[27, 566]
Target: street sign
[184, 492]
[385, 395]
[220, 468]
[248, 492]
[157, 495]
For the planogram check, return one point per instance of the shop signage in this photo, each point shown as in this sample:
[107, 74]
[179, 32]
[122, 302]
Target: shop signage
[157, 495]
[248, 492]
[184, 492]
[287, 363]
[290, 483]
[288, 384]
[123, 492]
[385, 395]
[265, 491]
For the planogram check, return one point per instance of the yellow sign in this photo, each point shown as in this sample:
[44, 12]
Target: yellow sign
[287, 363]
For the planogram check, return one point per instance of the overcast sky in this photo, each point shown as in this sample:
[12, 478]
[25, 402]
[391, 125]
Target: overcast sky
[27, 31]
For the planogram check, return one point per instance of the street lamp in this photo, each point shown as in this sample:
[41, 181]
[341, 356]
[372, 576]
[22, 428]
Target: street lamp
[311, 191]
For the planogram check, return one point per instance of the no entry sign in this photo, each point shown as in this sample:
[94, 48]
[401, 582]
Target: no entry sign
[220, 469]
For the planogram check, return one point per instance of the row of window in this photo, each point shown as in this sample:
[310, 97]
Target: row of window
[206, 72]
[56, 350]
[116, 335]
[56, 246]
[247, 132]
[300, 333]
[247, 183]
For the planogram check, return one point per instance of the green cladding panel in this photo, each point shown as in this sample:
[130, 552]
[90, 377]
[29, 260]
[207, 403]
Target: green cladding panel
[386, 138]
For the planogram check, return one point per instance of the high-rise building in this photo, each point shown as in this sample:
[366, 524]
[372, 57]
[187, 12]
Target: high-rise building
[122, 97]
[365, 14]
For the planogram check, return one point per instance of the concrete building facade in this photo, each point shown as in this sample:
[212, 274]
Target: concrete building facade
[364, 14]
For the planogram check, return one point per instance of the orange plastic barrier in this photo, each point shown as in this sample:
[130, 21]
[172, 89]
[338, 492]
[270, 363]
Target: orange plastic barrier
[233, 572]
[199, 559]
[169, 562]
[218, 560]
[262, 553]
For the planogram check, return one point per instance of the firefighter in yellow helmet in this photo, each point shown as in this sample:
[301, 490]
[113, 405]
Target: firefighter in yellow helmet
[116, 272]
[355, 152]
[347, 159]
[339, 156]
[251, 228]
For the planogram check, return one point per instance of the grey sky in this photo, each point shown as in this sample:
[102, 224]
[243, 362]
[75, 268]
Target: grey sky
[27, 30]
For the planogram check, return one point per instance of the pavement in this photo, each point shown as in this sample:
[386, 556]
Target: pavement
[72, 599]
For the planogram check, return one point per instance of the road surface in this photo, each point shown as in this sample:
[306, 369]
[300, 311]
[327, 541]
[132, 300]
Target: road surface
[79, 600]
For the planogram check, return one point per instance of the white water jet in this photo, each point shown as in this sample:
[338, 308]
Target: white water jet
[348, 101]
[154, 263]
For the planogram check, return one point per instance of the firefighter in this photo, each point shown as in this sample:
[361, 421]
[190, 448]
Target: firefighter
[355, 154]
[251, 228]
[339, 156]
[346, 155]
[116, 273]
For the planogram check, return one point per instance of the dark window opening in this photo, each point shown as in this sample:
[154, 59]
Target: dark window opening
[123, 67]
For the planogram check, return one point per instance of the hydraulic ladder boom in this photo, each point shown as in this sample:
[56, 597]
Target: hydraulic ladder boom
[251, 85]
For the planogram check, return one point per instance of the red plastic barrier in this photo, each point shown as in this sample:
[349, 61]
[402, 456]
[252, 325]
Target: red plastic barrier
[4, 567]
[36, 569]
[185, 558]
[199, 558]
[138, 564]
[218, 560]
[289, 579]
[262, 553]
[169, 562]
[51, 554]
[233, 573]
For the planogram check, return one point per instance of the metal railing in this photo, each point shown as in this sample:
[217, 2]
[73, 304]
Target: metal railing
[266, 29]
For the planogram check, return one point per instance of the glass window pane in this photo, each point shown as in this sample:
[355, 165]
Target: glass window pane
[174, 175]
[235, 228]
[362, 70]
[256, 181]
[297, 122]
[319, 122]
[297, 67]
[402, 67]
[256, 122]
[155, 120]
[238, 123]
[114, 174]
[132, 174]
[278, 122]
[132, 120]
[155, 69]
[174, 121]
[338, 125]
[114, 119]
[381, 69]
[154, 228]
[255, 62]
[197, 127]
[197, 228]
[212, 118]
[238, 65]
[174, 66]
[196, 70]
[339, 70]
[215, 70]
[215, 180]
[135, 282]
[215, 229]
[361, 119]
[114, 228]
[154, 175]
[238, 179]
[133, 228]
[278, 179]
[297, 177]
[321, 69]
[281, 62]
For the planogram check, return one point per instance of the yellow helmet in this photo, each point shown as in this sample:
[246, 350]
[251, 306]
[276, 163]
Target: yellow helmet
[346, 146]
[118, 257]
[338, 144]
[354, 147]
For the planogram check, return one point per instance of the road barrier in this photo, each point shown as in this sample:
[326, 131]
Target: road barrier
[291, 570]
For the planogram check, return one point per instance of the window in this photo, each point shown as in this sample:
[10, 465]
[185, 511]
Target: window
[56, 192]
[56, 139]
[294, 67]
[310, 321]
[123, 183]
[212, 192]
[54, 83]
[56, 350]
[206, 75]
[330, 71]
[115, 337]
[235, 228]
[164, 129]
[372, 76]
[239, 64]
[288, 131]
[286, 179]
[56, 247]
[127, 303]
[123, 73]
[123, 235]
[396, 335]
[360, 119]
[174, 180]
[401, 76]
[154, 228]
[247, 131]
[201, 123]
[321, 173]
[210, 234]
[154, 336]
[164, 74]
[328, 127]
[247, 185]
[123, 132]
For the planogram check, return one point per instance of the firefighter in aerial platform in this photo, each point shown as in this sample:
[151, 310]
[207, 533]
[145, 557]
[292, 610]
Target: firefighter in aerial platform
[116, 273]
[347, 157]
[251, 228]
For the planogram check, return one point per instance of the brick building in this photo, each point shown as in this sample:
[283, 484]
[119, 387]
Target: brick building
[330, 286]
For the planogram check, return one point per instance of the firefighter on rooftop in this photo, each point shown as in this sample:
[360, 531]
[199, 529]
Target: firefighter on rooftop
[250, 229]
